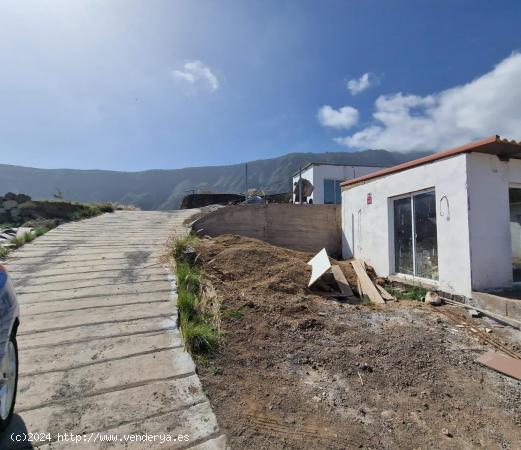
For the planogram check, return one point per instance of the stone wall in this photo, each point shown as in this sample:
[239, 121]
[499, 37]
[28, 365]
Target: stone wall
[307, 228]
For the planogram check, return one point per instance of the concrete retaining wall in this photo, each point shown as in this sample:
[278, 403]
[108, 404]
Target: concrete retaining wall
[307, 228]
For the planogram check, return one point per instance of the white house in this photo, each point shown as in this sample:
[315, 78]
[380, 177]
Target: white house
[326, 178]
[451, 219]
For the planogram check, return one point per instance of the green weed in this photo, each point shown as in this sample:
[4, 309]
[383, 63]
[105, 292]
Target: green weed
[181, 245]
[217, 371]
[188, 278]
[233, 314]
[187, 304]
[407, 292]
[199, 337]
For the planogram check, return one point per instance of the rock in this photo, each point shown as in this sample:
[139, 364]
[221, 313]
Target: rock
[488, 330]
[474, 313]
[388, 414]
[10, 204]
[21, 231]
[15, 213]
[27, 204]
[10, 196]
[365, 366]
[22, 198]
[446, 432]
[190, 254]
[432, 298]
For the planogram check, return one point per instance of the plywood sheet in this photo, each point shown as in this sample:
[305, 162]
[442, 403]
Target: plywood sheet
[502, 363]
[319, 266]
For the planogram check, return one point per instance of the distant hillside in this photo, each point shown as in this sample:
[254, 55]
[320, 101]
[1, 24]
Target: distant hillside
[164, 189]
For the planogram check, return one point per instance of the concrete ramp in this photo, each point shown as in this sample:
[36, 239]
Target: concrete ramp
[101, 359]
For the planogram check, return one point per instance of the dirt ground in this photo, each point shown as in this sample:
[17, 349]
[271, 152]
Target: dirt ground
[296, 370]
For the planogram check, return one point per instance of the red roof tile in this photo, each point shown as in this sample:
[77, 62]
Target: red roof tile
[492, 145]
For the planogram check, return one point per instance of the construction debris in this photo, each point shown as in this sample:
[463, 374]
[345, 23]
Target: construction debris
[385, 295]
[474, 313]
[501, 363]
[366, 284]
[341, 281]
[502, 319]
[432, 298]
[319, 266]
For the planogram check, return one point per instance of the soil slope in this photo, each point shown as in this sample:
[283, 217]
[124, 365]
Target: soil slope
[296, 370]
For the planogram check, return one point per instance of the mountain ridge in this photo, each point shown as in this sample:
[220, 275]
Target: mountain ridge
[163, 189]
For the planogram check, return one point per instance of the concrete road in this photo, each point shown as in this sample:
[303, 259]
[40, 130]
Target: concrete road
[98, 343]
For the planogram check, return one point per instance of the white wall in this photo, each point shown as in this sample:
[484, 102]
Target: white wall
[317, 173]
[489, 219]
[367, 230]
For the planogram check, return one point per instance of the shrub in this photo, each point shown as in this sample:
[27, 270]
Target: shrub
[17, 242]
[4, 251]
[106, 207]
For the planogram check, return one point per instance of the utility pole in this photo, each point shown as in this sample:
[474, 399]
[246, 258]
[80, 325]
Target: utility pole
[246, 183]
[300, 185]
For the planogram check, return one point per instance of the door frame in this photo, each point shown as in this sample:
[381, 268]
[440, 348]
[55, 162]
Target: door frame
[515, 284]
[392, 258]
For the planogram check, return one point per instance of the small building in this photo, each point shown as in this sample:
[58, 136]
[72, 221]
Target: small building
[451, 220]
[326, 179]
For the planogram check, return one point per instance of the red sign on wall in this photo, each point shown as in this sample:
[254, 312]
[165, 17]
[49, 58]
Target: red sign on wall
[369, 199]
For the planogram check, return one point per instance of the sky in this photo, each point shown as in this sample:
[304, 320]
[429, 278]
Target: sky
[160, 84]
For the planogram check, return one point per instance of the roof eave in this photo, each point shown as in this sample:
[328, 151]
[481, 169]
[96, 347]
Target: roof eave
[492, 142]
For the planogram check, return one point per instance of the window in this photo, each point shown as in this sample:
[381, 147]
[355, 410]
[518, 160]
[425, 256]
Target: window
[415, 235]
[332, 192]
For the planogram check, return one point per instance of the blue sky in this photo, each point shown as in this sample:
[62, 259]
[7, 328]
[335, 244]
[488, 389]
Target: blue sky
[132, 85]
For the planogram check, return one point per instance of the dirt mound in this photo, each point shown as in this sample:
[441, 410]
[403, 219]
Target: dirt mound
[296, 370]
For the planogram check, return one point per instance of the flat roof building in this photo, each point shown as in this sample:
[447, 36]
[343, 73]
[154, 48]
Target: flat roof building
[326, 179]
[451, 220]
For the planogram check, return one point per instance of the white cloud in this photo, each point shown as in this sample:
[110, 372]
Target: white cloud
[361, 84]
[344, 117]
[195, 73]
[490, 104]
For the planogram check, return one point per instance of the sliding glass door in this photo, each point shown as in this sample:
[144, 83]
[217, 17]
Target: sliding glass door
[415, 239]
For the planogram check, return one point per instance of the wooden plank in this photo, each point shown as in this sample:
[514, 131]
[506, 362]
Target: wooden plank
[501, 363]
[340, 279]
[385, 295]
[366, 283]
